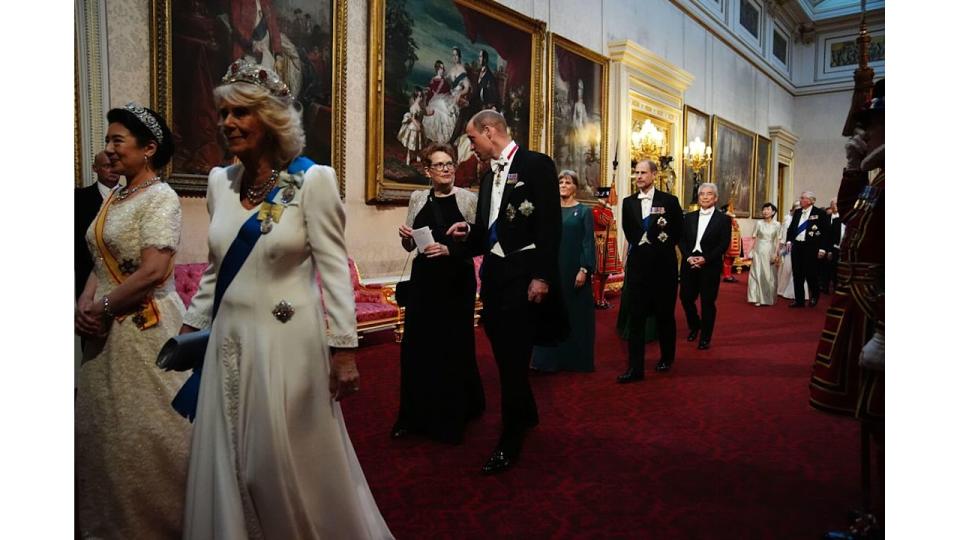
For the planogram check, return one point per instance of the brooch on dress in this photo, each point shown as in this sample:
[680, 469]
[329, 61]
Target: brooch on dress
[270, 212]
[283, 311]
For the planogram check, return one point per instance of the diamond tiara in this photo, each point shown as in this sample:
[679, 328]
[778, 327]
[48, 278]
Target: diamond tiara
[242, 70]
[146, 119]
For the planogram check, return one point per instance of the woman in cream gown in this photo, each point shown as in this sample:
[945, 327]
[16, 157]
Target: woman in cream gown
[785, 272]
[131, 447]
[762, 282]
[271, 457]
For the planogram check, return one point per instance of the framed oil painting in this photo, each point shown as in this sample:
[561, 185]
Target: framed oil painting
[193, 42]
[761, 184]
[695, 124]
[733, 164]
[577, 113]
[433, 65]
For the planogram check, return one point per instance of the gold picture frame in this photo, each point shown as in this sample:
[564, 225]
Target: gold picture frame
[577, 125]
[696, 123]
[392, 168]
[761, 176]
[734, 153]
[194, 182]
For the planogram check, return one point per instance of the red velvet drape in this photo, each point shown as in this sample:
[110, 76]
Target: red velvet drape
[511, 44]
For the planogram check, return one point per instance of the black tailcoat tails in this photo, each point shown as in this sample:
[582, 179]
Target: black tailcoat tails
[803, 255]
[651, 272]
[86, 205]
[704, 281]
[529, 214]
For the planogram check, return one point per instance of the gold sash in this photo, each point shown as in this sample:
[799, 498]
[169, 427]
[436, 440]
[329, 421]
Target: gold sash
[147, 315]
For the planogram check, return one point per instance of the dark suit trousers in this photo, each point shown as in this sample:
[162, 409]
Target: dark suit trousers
[509, 325]
[653, 291]
[806, 267]
[828, 270]
[705, 284]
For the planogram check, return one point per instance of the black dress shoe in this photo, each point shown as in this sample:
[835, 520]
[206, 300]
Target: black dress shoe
[813, 301]
[399, 432]
[663, 367]
[630, 375]
[704, 344]
[498, 462]
[796, 304]
[692, 336]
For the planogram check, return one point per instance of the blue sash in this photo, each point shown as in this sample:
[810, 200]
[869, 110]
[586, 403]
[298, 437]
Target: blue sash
[458, 79]
[492, 236]
[802, 227]
[185, 402]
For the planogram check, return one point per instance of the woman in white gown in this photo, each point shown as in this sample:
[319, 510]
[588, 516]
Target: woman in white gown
[131, 447]
[441, 113]
[785, 272]
[271, 457]
[762, 282]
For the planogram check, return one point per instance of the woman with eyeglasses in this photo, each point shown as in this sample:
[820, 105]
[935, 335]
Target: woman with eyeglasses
[440, 388]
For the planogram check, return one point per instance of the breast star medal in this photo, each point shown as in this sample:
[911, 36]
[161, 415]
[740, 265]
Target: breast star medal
[662, 221]
[511, 212]
[662, 237]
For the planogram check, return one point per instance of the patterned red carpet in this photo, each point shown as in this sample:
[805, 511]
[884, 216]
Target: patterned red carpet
[723, 446]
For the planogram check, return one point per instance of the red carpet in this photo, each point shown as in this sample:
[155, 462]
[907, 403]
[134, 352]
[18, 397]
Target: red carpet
[723, 446]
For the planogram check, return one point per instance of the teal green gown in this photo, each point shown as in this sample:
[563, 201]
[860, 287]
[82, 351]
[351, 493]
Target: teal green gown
[576, 250]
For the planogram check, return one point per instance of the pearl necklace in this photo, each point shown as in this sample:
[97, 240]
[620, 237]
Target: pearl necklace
[257, 192]
[125, 192]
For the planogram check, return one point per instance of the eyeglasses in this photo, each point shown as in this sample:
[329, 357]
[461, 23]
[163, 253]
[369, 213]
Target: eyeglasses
[441, 166]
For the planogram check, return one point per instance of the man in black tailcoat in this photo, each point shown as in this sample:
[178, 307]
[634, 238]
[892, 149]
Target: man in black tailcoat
[518, 233]
[86, 205]
[653, 225]
[706, 237]
[809, 237]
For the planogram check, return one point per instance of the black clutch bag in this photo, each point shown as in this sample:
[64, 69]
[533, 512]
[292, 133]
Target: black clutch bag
[402, 292]
[184, 352]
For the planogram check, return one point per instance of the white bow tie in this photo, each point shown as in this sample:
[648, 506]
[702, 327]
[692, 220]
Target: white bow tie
[647, 196]
[706, 212]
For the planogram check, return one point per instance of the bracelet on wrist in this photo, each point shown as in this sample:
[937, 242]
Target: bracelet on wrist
[107, 312]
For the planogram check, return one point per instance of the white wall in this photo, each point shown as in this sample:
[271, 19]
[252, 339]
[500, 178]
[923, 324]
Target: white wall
[820, 154]
[725, 84]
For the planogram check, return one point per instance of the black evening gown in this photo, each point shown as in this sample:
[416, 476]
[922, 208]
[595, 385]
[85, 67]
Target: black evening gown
[440, 387]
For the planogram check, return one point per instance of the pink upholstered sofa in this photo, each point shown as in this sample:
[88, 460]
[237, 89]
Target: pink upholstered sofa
[374, 312]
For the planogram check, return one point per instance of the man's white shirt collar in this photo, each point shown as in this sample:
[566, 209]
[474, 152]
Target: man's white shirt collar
[104, 190]
[504, 157]
[647, 195]
[707, 212]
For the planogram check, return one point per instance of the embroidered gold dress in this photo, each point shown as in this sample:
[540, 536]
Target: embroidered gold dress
[271, 457]
[131, 446]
